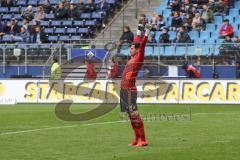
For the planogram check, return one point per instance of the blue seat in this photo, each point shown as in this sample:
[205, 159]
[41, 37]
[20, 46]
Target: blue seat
[56, 23]
[180, 51]
[215, 50]
[157, 35]
[158, 51]
[194, 35]
[210, 27]
[191, 50]
[234, 12]
[49, 16]
[125, 51]
[210, 41]
[53, 38]
[159, 11]
[230, 18]
[75, 1]
[75, 38]
[45, 46]
[205, 51]
[90, 23]
[22, 46]
[67, 23]
[96, 15]
[23, 9]
[71, 30]
[7, 16]
[60, 31]
[215, 35]
[237, 5]
[218, 19]
[78, 23]
[111, 1]
[82, 30]
[32, 2]
[149, 51]
[17, 16]
[235, 26]
[3, 10]
[199, 41]
[167, 13]
[85, 15]
[21, 3]
[205, 35]
[7, 39]
[172, 35]
[219, 41]
[48, 30]
[169, 51]
[14, 9]
[34, 46]
[44, 23]
[64, 38]
[54, 2]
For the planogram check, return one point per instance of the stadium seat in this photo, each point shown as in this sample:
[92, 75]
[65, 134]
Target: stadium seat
[56, 23]
[85, 15]
[125, 51]
[199, 41]
[90, 23]
[82, 30]
[60, 31]
[218, 19]
[158, 51]
[149, 50]
[21, 3]
[215, 34]
[44, 23]
[194, 35]
[235, 26]
[219, 41]
[17, 16]
[32, 2]
[78, 23]
[71, 30]
[157, 35]
[172, 35]
[14, 10]
[234, 12]
[53, 38]
[7, 17]
[180, 51]
[210, 27]
[230, 18]
[169, 51]
[205, 35]
[96, 15]
[67, 23]
[210, 41]
[214, 50]
[48, 30]
[64, 38]
[3, 10]
[76, 38]
[49, 16]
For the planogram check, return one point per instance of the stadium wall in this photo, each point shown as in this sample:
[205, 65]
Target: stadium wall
[154, 91]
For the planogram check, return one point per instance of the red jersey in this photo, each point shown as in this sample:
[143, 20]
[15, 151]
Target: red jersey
[114, 71]
[133, 66]
[195, 71]
[91, 74]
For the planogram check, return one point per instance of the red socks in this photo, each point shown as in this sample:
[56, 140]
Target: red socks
[138, 127]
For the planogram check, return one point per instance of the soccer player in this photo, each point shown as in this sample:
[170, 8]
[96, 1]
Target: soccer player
[128, 93]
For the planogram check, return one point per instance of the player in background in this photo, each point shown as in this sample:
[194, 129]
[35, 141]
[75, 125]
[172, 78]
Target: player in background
[191, 71]
[128, 93]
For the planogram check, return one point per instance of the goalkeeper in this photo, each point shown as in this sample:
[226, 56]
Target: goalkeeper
[56, 71]
[128, 93]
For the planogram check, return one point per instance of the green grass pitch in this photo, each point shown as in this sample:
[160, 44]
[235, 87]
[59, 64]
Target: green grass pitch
[33, 132]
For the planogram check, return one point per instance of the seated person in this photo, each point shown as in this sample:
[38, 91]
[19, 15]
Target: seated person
[226, 29]
[182, 36]
[176, 21]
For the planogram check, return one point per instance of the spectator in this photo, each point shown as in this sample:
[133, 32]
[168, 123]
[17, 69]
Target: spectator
[207, 14]
[7, 3]
[198, 23]
[186, 7]
[28, 13]
[161, 23]
[82, 7]
[182, 36]
[226, 29]
[90, 7]
[191, 71]
[193, 11]
[170, 3]
[61, 12]
[2, 29]
[39, 36]
[12, 27]
[26, 24]
[154, 22]
[236, 45]
[73, 12]
[152, 39]
[220, 8]
[47, 7]
[164, 37]
[142, 22]
[176, 7]
[24, 35]
[33, 27]
[113, 72]
[127, 35]
[226, 46]
[103, 8]
[91, 73]
[176, 21]
[236, 39]
[40, 14]
[187, 21]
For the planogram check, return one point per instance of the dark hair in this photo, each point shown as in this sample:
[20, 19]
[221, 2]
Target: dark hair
[226, 20]
[55, 60]
[127, 27]
[136, 45]
[142, 15]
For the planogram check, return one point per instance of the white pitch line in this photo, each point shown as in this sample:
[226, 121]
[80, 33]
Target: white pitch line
[60, 127]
